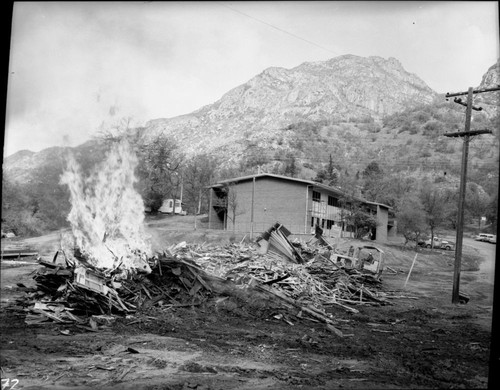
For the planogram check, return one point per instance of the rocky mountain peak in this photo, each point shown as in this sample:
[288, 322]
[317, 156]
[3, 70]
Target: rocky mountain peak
[343, 88]
[490, 101]
[491, 77]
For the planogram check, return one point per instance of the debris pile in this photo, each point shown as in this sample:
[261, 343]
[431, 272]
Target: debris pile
[305, 276]
[77, 292]
[275, 239]
[318, 282]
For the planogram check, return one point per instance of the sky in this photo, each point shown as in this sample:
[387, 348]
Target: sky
[76, 67]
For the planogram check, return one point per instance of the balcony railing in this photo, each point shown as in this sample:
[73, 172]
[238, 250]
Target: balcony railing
[219, 202]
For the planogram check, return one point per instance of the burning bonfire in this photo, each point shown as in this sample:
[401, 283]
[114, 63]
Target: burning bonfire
[107, 214]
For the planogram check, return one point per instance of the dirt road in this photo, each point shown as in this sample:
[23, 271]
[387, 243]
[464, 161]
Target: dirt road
[421, 340]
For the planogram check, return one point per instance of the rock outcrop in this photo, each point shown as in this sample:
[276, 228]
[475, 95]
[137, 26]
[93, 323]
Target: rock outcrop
[345, 88]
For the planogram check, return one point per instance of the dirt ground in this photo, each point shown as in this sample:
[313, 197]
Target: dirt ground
[422, 340]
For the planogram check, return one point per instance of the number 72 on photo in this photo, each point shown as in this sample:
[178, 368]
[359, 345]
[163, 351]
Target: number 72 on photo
[9, 384]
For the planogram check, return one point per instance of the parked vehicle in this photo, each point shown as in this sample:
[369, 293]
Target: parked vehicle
[8, 235]
[438, 244]
[486, 238]
[168, 207]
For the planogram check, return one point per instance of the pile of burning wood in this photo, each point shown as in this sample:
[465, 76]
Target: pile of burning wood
[309, 276]
[74, 292]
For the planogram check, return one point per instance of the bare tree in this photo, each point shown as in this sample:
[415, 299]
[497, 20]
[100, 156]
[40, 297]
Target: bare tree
[197, 175]
[160, 162]
[160, 170]
[411, 219]
[434, 204]
[122, 128]
[476, 202]
[347, 200]
[233, 206]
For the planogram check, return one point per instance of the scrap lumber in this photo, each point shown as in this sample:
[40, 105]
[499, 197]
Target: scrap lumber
[90, 291]
[276, 236]
[313, 312]
[279, 279]
[318, 281]
[302, 276]
[17, 251]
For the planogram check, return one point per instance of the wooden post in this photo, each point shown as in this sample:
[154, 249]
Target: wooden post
[307, 208]
[411, 268]
[253, 203]
[199, 202]
[461, 203]
[463, 178]
[198, 209]
[210, 196]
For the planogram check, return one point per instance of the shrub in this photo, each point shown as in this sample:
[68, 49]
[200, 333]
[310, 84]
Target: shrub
[432, 127]
[410, 127]
[421, 116]
[445, 147]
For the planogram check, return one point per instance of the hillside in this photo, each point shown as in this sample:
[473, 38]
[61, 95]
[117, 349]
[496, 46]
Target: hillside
[25, 166]
[345, 88]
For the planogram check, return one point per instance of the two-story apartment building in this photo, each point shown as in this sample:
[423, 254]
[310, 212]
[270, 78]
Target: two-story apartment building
[255, 202]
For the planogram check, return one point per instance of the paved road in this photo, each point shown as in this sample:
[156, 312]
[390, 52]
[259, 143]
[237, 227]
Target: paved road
[488, 251]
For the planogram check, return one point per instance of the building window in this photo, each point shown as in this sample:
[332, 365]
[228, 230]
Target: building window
[329, 223]
[316, 196]
[333, 201]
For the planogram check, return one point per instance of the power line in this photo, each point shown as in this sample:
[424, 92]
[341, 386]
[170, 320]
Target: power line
[355, 159]
[278, 28]
[422, 160]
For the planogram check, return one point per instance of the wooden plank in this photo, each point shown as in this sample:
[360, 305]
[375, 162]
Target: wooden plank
[51, 316]
[9, 253]
[146, 291]
[297, 255]
[411, 268]
[197, 286]
[312, 313]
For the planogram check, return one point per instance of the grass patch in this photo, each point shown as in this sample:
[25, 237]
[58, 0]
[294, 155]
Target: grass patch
[470, 261]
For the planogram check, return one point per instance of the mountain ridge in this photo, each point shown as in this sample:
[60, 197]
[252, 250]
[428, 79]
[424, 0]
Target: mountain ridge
[259, 113]
[343, 88]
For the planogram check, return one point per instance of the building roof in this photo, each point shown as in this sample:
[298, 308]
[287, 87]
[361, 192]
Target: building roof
[292, 179]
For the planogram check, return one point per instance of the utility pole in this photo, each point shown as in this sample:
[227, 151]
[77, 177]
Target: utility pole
[466, 134]
[253, 203]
